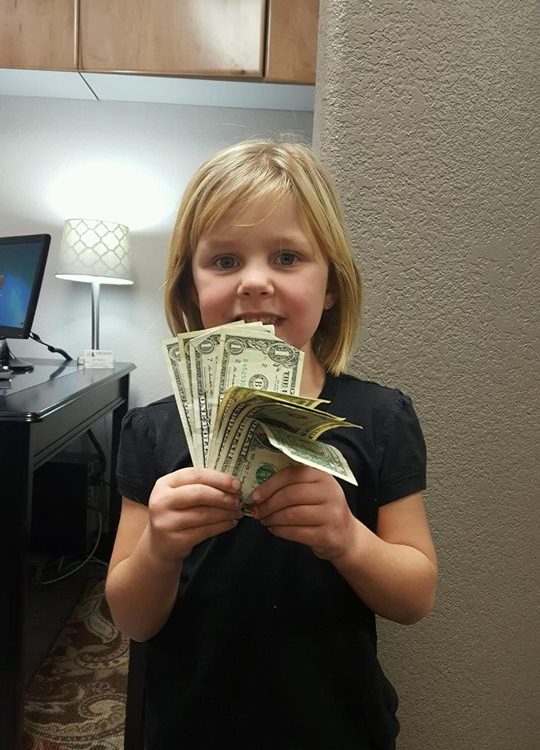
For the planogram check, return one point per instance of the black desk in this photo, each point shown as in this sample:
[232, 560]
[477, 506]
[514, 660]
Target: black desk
[40, 413]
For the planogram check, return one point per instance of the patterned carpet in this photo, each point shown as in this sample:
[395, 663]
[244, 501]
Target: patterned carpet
[76, 699]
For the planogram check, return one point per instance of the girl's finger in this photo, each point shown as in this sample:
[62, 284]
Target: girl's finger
[291, 496]
[200, 518]
[290, 475]
[292, 515]
[197, 495]
[194, 496]
[196, 475]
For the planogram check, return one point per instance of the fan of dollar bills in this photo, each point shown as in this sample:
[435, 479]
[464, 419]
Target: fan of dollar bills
[236, 387]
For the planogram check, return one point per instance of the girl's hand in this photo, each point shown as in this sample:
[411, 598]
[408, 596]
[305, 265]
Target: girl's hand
[188, 506]
[308, 506]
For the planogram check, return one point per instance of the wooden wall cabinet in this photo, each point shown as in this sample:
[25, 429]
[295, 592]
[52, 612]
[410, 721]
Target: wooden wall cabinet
[271, 40]
[173, 37]
[291, 50]
[38, 34]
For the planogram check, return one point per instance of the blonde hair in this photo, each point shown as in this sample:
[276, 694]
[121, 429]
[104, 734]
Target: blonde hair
[246, 174]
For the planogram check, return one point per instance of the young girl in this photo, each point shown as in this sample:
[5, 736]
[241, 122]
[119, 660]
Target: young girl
[260, 632]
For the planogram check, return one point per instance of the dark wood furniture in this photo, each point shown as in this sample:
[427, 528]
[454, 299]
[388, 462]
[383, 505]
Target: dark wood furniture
[40, 413]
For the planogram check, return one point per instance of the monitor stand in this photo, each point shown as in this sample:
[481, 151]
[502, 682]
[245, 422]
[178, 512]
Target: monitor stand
[8, 359]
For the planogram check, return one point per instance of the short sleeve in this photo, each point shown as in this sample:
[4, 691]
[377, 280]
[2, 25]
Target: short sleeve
[402, 466]
[136, 474]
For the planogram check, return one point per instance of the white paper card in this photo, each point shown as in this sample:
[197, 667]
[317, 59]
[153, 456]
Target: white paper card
[98, 358]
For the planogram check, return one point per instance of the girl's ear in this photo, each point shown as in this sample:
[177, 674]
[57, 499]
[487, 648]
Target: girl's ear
[329, 300]
[331, 289]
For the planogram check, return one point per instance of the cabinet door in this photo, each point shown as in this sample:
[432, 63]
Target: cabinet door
[38, 34]
[178, 37]
[291, 52]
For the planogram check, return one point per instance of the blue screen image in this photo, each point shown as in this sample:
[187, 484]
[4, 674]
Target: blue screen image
[17, 270]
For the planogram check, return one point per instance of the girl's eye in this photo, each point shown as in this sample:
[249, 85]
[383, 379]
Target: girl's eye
[226, 262]
[287, 258]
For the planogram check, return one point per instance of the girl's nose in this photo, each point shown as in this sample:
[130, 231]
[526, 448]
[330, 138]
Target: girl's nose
[255, 281]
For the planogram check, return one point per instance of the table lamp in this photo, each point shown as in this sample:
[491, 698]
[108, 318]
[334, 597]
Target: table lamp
[97, 252]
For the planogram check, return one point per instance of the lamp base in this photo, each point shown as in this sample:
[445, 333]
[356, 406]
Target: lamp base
[98, 358]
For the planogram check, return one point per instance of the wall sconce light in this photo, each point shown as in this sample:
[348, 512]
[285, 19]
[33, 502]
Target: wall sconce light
[96, 252]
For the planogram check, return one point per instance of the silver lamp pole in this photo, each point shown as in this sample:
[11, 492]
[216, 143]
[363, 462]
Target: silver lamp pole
[95, 315]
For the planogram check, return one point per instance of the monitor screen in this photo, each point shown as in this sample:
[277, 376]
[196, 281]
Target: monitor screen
[22, 264]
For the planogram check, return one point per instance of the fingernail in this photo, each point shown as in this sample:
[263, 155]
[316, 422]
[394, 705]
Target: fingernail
[235, 484]
[255, 495]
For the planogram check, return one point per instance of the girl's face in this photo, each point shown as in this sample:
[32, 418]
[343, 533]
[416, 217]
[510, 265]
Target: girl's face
[265, 268]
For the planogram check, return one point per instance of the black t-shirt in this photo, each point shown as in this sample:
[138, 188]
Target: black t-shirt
[267, 646]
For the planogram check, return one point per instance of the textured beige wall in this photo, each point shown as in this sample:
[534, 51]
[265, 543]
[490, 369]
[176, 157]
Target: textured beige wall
[427, 117]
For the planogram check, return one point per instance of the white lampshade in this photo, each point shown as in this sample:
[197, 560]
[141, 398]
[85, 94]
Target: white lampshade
[95, 251]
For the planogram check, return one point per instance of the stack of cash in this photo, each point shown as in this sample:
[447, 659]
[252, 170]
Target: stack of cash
[236, 388]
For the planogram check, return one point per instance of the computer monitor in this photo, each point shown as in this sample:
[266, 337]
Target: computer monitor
[22, 265]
